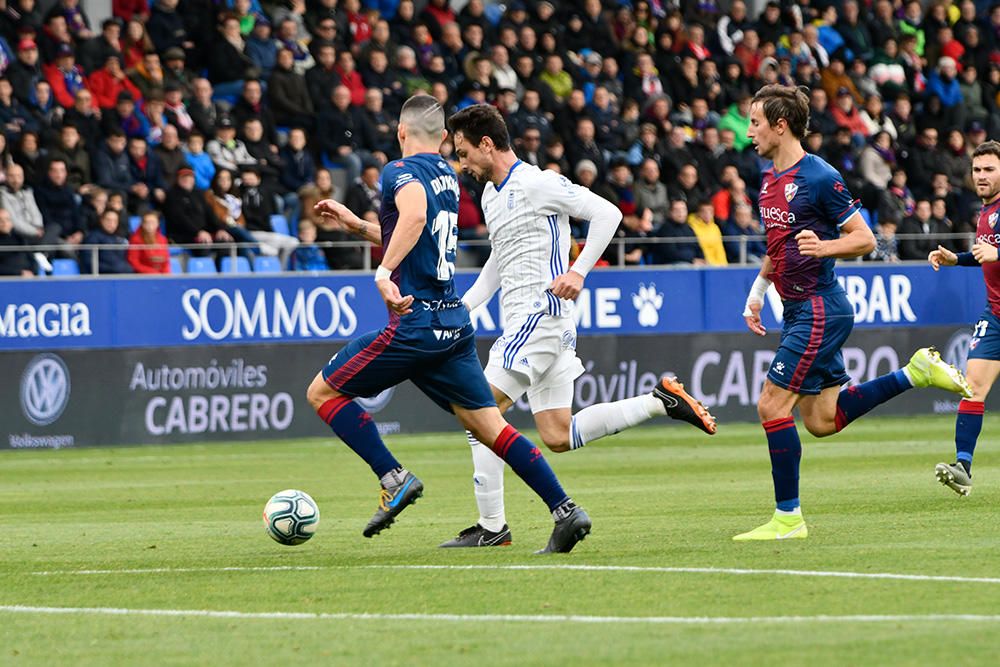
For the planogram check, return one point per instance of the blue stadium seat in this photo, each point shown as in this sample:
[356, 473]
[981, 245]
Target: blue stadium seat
[237, 264]
[133, 223]
[65, 267]
[176, 252]
[266, 264]
[201, 265]
[279, 224]
[175, 265]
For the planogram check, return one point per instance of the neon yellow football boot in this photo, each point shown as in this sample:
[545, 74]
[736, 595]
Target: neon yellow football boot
[928, 369]
[780, 527]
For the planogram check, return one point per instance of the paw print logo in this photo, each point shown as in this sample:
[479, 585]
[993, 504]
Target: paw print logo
[647, 302]
[779, 367]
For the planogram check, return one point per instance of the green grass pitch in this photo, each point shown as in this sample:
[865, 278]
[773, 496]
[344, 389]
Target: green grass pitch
[160, 524]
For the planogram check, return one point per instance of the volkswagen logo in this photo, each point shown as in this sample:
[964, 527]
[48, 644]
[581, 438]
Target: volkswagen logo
[377, 402]
[956, 352]
[44, 389]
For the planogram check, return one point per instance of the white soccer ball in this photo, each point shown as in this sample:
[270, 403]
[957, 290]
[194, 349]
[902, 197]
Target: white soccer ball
[291, 517]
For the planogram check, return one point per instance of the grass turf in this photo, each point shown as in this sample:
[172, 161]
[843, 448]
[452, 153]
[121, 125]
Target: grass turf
[659, 497]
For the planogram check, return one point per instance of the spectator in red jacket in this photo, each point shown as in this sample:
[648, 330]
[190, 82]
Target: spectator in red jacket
[351, 77]
[846, 114]
[150, 259]
[65, 76]
[106, 83]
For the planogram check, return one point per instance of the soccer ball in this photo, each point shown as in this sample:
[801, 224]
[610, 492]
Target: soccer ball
[291, 517]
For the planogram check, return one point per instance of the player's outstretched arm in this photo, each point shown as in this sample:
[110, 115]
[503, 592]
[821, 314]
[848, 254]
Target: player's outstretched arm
[942, 257]
[486, 285]
[856, 240]
[347, 221]
[755, 299]
[604, 217]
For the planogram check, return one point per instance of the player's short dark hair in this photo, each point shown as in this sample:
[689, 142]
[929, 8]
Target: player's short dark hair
[987, 148]
[478, 121]
[786, 102]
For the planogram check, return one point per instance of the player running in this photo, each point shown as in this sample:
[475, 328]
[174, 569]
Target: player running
[527, 212]
[429, 339]
[811, 220]
[984, 350]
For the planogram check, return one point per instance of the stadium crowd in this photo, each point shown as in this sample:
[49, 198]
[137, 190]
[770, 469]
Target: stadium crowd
[200, 122]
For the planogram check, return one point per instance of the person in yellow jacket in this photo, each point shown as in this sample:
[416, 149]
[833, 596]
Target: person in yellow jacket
[702, 221]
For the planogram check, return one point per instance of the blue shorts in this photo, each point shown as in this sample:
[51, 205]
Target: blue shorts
[434, 350]
[985, 343]
[809, 357]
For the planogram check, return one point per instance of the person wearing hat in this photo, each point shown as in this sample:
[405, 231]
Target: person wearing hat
[65, 76]
[106, 83]
[25, 70]
[176, 73]
[188, 217]
[226, 151]
[262, 47]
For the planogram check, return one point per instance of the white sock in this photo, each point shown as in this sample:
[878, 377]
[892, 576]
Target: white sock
[906, 372]
[488, 481]
[795, 512]
[604, 419]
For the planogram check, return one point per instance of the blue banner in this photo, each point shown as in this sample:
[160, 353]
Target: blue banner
[186, 310]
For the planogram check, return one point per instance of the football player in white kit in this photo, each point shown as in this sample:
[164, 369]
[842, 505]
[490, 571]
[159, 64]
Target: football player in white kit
[527, 212]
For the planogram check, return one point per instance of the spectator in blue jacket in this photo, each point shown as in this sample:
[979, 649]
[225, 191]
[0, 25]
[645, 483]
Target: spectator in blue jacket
[298, 168]
[199, 161]
[115, 258]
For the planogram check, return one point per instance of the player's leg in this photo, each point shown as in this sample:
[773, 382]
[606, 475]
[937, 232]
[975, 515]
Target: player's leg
[458, 379]
[668, 398]
[364, 367]
[791, 376]
[981, 374]
[487, 480]
[488, 425]
[775, 411]
[925, 369]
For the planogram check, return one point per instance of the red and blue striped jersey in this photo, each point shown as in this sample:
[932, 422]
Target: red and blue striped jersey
[809, 195]
[986, 232]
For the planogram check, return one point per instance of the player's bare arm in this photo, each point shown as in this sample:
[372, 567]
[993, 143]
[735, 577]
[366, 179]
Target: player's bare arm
[942, 257]
[755, 300]
[856, 240]
[345, 220]
[411, 200]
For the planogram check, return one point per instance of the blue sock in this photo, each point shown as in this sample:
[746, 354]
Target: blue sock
[856, 401]
[968, 424]
[786, 451]
[354, 426]
[527, 461]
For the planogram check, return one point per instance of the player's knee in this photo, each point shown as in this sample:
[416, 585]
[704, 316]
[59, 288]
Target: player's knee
[556, 445]
[820, 428]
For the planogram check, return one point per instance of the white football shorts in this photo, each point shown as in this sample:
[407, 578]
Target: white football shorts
[536, 356]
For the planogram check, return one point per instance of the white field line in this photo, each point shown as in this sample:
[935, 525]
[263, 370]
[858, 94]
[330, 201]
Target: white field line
[501, 618]
[557, 567]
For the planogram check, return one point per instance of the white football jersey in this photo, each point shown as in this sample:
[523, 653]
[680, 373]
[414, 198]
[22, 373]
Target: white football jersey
[528, 220]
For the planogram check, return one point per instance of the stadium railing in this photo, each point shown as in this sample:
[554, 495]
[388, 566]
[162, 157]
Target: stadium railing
[232, 250]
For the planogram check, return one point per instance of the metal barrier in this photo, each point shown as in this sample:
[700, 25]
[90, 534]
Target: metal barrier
[233, 249]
